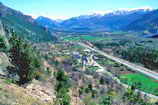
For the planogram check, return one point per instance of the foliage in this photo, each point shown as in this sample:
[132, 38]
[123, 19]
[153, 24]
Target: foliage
[62, 88]
[88, 101]
[24, 58]
[145, 56]
[8, 81]
[134, 98]
[24, 25]
[26, 28]
[102, 81]
[3, 46]
[105, 100]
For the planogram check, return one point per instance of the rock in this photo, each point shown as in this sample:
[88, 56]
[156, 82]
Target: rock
[40, 91]
[4, 60]
[4, 63]
[2, 29]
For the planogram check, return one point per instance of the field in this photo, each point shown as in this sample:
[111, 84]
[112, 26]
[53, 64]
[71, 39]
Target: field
[85, 38]
[93, 68]
[142, 82]
[130, 78]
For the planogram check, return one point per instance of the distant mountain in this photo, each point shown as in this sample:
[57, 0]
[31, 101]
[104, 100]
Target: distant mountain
[24, 25]
[148, 22]
[47, 23]
[110, 21]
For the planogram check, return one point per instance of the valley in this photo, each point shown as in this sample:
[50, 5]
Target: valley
[108, 59]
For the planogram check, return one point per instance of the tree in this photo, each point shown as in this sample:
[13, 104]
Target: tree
[24, 58]
[62, 88]
[62, 81]
[102, 81]
[63, 97]
[3, 46]
[106, 100]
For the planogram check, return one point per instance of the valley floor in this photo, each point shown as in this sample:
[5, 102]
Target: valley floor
[94, 78]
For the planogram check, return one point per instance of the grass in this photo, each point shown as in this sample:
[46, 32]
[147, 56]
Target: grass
[84, 37]
[94, 68]
[107, 62]
[76, 48]
[146, 84]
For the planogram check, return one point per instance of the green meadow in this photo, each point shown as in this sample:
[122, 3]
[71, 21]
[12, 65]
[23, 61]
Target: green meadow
[85, 38]
[141, 82]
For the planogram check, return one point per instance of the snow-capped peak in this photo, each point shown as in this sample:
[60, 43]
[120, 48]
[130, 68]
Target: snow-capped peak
[122, 11]
[142, 8]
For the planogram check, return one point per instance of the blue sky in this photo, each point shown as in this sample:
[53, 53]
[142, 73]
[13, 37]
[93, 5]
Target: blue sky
[68, 8]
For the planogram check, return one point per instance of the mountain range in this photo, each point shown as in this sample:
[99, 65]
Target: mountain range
[148, 22]
[143, 19]
[45, 29]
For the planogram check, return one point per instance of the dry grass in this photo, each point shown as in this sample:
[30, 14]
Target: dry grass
[15, 95]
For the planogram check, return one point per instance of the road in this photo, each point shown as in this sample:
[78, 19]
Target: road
[151, 35]
[132, 66]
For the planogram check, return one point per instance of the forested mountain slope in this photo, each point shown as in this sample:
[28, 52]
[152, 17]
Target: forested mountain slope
[23, 25]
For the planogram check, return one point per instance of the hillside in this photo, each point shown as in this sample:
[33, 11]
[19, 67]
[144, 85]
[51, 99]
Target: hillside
[24, 25]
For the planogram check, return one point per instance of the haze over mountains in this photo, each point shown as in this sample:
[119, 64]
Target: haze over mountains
[119, 20]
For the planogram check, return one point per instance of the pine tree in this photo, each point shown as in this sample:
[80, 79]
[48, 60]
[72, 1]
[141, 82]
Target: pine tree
[3, 46]
[62, 88]
[24, 59]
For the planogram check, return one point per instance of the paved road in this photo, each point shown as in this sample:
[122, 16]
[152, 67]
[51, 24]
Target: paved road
[151, 35]
[132, 66]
